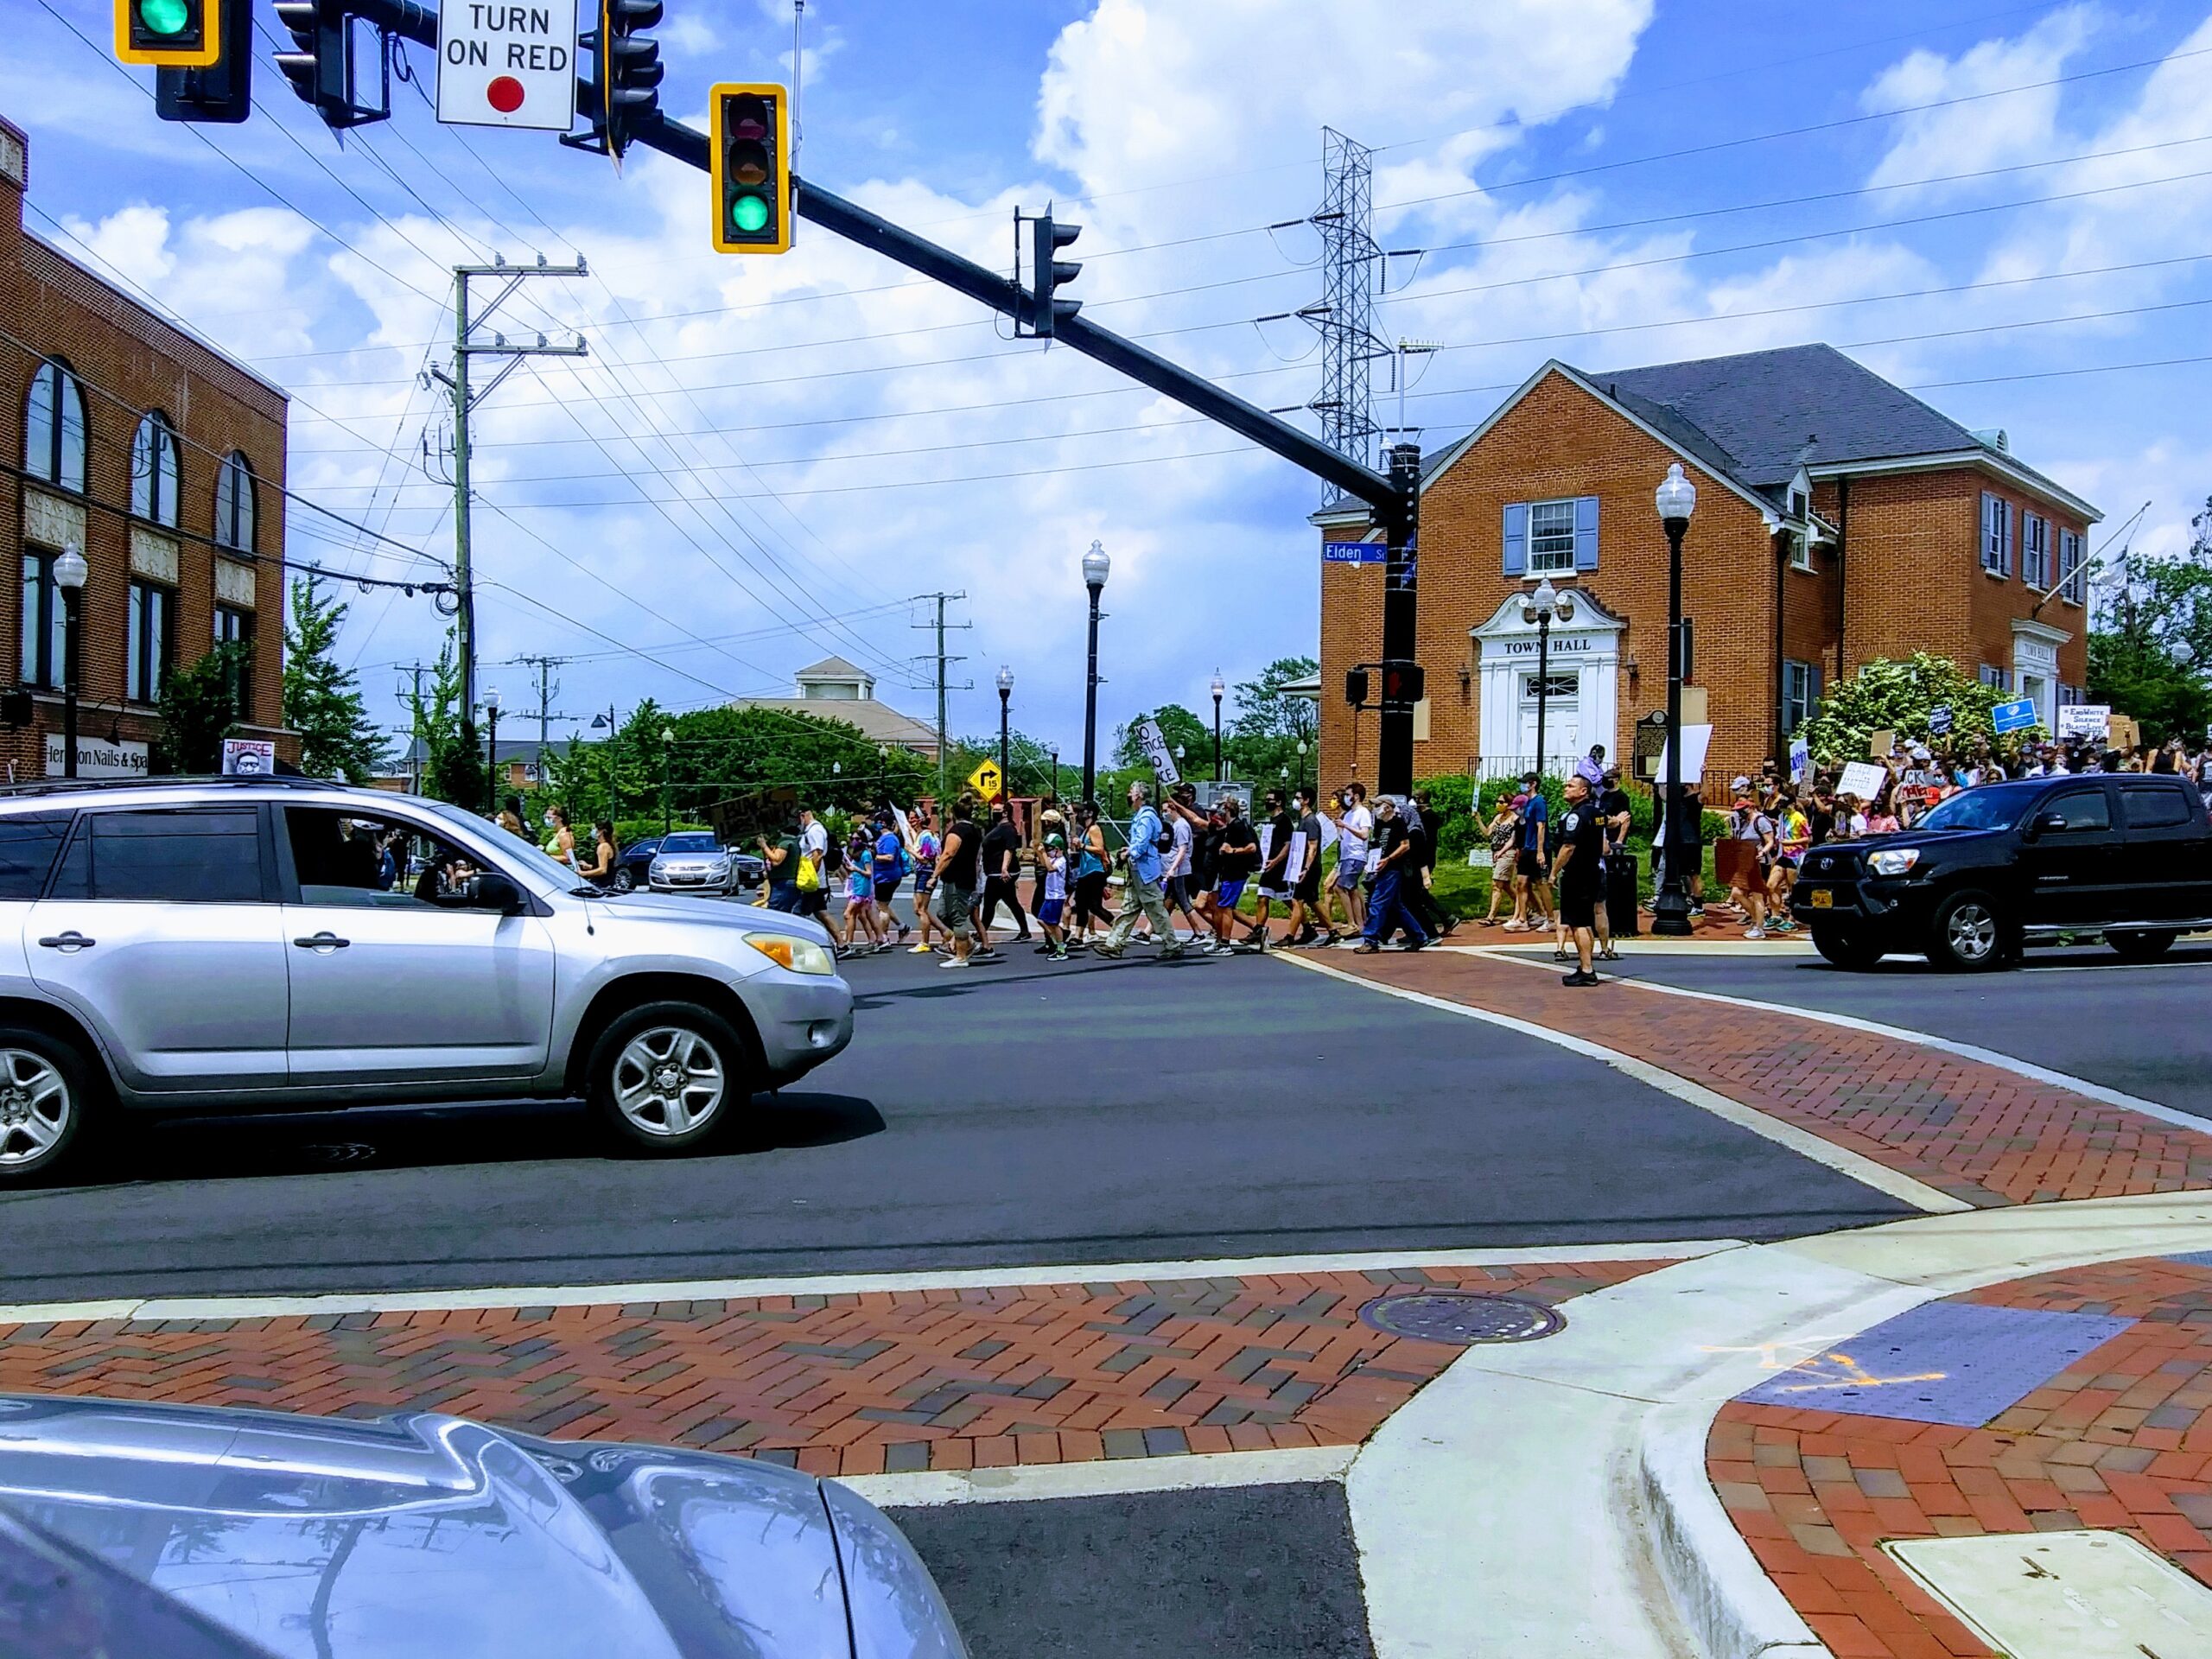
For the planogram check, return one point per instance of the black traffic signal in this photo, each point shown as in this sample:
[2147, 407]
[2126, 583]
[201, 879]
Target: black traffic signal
[169, 34]
[1403, 685]
[1356, 687]
[628, 68]
[749, 155]
[222, 91]
[321, 65]
[1047, 238]
[16, 708]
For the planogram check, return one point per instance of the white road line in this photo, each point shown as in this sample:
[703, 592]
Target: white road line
[1927, 1039]
[1187, 1473]
[1863, 1170]
[147, 1309]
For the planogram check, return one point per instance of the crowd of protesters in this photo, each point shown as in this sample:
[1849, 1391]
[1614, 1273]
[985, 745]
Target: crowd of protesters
[1564, 868]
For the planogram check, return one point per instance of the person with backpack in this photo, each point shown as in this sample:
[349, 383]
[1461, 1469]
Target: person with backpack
[1089, 876]
[887, 866]
[1149, 840]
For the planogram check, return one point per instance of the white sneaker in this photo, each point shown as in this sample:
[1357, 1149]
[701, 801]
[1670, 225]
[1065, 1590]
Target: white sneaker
[1755, 933]
[955, 962]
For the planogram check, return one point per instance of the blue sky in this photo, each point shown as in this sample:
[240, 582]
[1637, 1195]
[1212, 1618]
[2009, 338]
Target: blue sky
[763, 458]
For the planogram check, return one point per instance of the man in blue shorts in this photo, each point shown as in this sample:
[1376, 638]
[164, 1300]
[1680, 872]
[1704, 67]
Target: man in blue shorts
[1237, 856]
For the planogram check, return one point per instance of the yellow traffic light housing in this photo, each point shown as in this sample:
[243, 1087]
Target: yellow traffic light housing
[750, 158]
[169, 34]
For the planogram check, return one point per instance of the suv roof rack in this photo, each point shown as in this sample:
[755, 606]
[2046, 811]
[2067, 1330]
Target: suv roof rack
[71, 786]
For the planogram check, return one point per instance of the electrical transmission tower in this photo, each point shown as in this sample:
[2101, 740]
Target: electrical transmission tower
[1351, 265]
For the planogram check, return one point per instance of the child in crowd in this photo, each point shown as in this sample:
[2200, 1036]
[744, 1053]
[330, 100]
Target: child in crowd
[860, 896]
[1052, 895]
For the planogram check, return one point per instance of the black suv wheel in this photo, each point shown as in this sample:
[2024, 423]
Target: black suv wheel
[1846, 948]
[1970, 934]
[2141, 947]
[666, 1077]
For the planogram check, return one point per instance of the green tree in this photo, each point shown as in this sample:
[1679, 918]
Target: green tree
[198, 710]
[2152, 646]
[453, 758]
[1270, 723]
[1898, 696]
[323, 701]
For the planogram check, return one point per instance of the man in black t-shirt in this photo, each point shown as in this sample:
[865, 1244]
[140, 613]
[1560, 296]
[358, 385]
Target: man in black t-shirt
[1578, 873]
[958, 860]
[1617, 914]
[1306, 879]
[1002, 871]
[1275, 877]
[1236, 854]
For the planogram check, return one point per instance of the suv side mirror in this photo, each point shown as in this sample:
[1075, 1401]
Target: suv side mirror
[494, 892]
[2050, 821]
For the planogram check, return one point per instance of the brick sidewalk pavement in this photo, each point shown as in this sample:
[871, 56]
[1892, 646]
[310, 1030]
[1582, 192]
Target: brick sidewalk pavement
[2120, 1439]
[1976, 1132]
[853, 1384]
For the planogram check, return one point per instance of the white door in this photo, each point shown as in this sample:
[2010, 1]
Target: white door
[1563, 719]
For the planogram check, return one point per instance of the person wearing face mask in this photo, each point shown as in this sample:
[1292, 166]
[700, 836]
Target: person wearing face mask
[560, 840]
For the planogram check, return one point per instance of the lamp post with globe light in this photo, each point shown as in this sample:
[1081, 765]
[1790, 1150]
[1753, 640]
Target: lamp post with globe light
[1095, 565]
[1218, 688]
[69, 573]
[667, 778]
[1006, 697]
[1542, 605]
[492, 749]
[1676, 498]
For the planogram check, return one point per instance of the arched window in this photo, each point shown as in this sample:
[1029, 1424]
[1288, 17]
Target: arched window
[53, 427]
[234, 503]
[153, 471]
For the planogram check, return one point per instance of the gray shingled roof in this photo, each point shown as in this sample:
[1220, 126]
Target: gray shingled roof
[1770, 412]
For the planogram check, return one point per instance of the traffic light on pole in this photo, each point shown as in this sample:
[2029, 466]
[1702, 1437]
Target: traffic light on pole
[319, 67]
[1403, 685]
[750, 154]
[628, 68]
[223, 90]
[1047, 238]
[169, 34]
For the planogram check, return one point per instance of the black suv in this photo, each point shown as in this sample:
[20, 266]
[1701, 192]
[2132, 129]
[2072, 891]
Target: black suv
[2007, 865]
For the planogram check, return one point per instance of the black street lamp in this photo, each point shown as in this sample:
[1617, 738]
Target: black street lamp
[492, 750]
[69, 573]
[667, 778]
[1005, 697]
[1218, 688]
[1542, 605]
[1096, 564]
[1670, 907]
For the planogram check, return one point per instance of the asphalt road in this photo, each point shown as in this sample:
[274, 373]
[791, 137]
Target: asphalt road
[2080, 1011]
[1260, 1572]
[1021, 1114]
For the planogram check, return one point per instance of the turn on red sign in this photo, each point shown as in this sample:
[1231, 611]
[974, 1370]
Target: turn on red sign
[507, 66]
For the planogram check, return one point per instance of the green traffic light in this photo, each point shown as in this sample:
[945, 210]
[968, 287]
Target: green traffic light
[749, 214]
[165, 16]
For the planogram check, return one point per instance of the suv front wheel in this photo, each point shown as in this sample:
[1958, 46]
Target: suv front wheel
[46, 1091]
[1970, 934]
[667, 1076]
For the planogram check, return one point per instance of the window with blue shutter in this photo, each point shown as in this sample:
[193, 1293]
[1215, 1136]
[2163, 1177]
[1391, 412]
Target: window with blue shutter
[1516, 538]
[1586, 532]
[1996, 521]
[2035, 551]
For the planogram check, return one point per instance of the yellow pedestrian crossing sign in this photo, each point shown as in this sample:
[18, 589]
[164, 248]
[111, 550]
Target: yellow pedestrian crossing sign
[987, 781]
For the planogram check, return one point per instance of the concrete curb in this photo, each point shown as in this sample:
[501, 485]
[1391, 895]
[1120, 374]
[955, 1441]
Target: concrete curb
[1731, 1606]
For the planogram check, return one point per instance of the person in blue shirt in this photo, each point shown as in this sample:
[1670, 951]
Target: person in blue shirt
[886, 864]
[1533, 900]
[1141, 894]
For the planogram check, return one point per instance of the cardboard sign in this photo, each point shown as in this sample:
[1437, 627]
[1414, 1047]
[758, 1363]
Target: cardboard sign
[1925, 780]
[2124, 733]
[1880, 744]
[1695, 740]
[1156, 751]
[2084, 720]
[1863, 778]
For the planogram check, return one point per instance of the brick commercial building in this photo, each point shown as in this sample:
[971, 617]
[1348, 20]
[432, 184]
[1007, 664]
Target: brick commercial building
[163, 461]
[1840, 520]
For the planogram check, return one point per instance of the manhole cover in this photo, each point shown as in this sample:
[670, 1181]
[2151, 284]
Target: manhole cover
[1462, 1317]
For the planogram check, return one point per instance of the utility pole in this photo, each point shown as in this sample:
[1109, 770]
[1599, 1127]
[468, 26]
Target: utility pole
[414, 716]
[940, 600]
[546, 689]
[466, 344]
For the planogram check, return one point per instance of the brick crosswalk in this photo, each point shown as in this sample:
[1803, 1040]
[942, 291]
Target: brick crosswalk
[863, 1383]
[1978, 1131]
[2122, 1440]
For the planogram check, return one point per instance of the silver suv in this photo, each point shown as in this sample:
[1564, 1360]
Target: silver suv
[269, 943]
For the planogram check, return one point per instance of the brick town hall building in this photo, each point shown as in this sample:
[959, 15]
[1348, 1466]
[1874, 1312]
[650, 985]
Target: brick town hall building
[1840, 520]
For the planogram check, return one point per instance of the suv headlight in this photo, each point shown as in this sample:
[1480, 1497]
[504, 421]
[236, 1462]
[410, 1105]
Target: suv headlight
[1893, 860]
[800, 956]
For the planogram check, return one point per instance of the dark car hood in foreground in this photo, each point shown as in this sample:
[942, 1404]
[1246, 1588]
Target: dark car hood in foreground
[420, 1534]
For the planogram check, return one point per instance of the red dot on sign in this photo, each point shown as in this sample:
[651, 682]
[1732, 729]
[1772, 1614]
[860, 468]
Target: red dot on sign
[504, 94]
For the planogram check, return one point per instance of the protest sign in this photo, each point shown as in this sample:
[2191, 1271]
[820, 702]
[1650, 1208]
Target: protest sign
[1863, 778]
[2084, 720]
[1880, 744]
[1695, 740]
